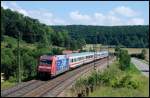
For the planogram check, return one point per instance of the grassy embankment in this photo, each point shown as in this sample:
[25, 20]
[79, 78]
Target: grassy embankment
[7, 84]
[114, 82]
[141, 91]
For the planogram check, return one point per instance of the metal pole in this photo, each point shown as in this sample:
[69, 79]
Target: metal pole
[108, 53]
[94, 53]
[19, 72]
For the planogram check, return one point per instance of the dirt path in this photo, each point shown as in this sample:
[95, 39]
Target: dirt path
[143, 67]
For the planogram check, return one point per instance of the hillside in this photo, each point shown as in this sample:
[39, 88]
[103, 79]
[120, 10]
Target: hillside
[129, 36]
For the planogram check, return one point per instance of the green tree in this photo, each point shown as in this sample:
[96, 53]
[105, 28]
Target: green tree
[124, 59]
[81, 43]
[8, 66]
[117, 51]
[73, 45]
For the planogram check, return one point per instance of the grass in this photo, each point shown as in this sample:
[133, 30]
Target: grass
[141, 91]
[7, 84]
[105, 91]
[14, 42]
[133, 70]
[90, 47]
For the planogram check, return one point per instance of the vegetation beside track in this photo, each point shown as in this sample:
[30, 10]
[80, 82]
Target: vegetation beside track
[141, 82]
[113, 82]
[7, 84]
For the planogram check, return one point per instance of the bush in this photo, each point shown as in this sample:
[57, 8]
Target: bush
[124, 59]
[12, 79]
[90, 81]
[29, 66]
[56, 51]
[115, 83]
[129, 82]
[143, 54]
[117, 51]
[8, 65]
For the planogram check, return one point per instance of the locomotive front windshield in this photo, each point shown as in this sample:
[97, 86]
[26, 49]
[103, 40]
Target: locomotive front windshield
[48, 62]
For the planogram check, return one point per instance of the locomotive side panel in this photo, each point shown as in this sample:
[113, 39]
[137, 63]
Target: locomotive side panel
[62, 64]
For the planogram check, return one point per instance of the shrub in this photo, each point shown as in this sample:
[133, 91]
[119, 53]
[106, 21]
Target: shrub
[143, 54]
[117, 51]
[79, 85]
[90, 80]
[7, 62]
[56, 51]
[12, 79]
[129, 82]
[124, 59]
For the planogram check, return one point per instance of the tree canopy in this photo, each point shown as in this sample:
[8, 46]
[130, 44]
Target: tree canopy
[129, 36]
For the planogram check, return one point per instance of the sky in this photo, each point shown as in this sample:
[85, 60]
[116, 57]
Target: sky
[104, 13]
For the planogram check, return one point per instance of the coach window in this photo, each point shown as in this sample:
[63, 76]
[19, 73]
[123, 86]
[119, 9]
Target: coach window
[75, 59]
[80, 58]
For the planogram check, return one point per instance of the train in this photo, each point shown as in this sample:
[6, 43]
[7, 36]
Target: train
[57, 64]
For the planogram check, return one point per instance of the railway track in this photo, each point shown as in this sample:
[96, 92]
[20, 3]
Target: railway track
[21, 89]
[53, 87]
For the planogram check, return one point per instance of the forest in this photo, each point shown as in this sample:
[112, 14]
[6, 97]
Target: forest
[38, 39]
[136, 36]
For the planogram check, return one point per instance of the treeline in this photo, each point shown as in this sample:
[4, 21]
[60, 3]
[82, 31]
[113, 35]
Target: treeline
[128, 36]
[31, 30]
